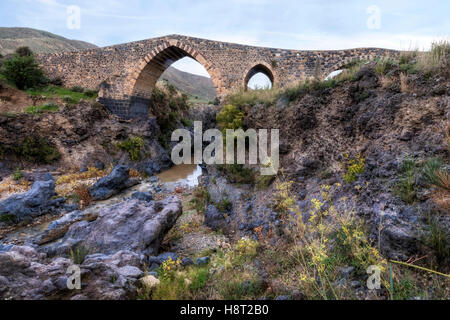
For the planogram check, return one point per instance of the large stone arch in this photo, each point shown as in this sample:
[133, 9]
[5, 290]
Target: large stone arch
[138, 85]
[257, 67]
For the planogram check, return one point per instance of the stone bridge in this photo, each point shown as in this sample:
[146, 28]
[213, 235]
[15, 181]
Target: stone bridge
[126, 74]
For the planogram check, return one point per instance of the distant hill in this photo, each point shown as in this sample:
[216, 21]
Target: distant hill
[198, 87]
[38, 41]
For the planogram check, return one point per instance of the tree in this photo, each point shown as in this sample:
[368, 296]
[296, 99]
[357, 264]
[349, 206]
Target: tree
[24, 52]
[23, 71]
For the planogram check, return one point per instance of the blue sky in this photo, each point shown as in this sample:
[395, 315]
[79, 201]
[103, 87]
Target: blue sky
[286, 24]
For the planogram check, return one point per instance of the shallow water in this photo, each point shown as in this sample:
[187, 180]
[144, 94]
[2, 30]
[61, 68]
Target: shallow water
[183, 175]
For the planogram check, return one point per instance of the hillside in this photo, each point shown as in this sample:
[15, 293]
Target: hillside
[196, 86]
[39, 41]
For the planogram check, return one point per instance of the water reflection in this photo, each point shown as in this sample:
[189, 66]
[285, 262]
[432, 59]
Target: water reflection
[182, 175]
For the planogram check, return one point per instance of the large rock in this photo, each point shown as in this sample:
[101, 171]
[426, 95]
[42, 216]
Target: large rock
[58, 228]
[214, 218]
[26, 274]
[37, 201]
[130, 225]
[116, 181]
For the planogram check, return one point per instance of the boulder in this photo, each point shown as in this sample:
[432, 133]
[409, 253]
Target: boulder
[26, 274]
[152, 168]
[202, 261]
[99, 165]
[116, 181]
[186, 262]
[162, 257]
[37, 201]
[214, 218]
[58, 228]
[132, 225]
[150, 282]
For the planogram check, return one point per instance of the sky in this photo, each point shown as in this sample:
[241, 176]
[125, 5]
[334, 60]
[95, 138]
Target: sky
[299, 24]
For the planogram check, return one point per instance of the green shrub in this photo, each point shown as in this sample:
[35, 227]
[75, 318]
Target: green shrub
[361, 96]
[55, 81]
[382, 66]
[253, 97]
[70, 100]
[436, 59]
[48, 107]
[158, 95]
[186, 122]
[69, 96]
[200, 199]
[409, 68]
[36, 150]
[437, 237]
[133, 146]
[91, 93]
[237, 173]
[434, 174]
[354, 168]
[240, 290]
[349, 71]
[406, 187]
[23, 71]
[263, 182]
[78, 254]
[230, 117]
[178, 283]
[17, 175]
[405, 287]
[224, 205]
[77, 89]
[8, 218]
[24, 52]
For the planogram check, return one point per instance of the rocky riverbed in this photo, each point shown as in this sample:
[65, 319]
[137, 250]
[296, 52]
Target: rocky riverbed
[363, 183]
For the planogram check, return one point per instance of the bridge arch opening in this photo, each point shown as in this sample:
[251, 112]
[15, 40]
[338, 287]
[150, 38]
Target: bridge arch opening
[259, 77]
[155, 67]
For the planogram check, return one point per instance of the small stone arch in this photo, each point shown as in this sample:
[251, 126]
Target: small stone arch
[258, 67]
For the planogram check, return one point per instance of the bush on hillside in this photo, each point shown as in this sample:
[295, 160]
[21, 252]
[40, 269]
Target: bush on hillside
[230, 117]
[24, 52]
[23, 71]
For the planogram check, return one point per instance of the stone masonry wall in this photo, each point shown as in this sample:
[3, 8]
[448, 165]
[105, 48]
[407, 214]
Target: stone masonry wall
[125, 74]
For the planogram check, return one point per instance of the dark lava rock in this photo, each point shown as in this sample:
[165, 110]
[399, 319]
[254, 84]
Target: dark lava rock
[112, 184]
[214, 218]
[129, 225]
[99, 165]
[162, 258]
[37, 201]
[202, 261]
